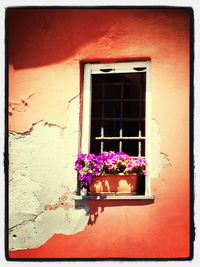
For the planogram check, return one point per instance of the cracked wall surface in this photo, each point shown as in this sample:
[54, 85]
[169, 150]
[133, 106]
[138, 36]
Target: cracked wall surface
[43, 182]
[159, 159]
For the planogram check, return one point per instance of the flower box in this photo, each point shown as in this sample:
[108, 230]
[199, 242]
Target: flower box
[110, 173]
[114, 184]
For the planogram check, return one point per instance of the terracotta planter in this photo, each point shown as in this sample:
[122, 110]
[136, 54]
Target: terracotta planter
[110, 184]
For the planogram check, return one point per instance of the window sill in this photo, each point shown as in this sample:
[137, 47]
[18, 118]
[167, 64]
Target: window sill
[138, 197]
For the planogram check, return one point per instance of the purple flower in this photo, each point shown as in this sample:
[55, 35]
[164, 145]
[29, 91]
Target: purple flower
[81, 177]
[88, 165]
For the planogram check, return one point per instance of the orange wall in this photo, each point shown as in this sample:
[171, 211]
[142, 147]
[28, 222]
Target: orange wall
[45, 49]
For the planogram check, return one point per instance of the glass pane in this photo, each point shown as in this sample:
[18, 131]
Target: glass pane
[96, 78]
[143, 127]
[131, 92]
[111, 128]
[143, 148]
[109, 86]
[143, 77]
[131, 109]
[112, 91]
[135, 85]
[96, 109]
[96, 91]
[95, 147]
[141, 189]
[143, 109]
[96, 128]
[111, 145]
[131, 128]
[109, 78]
[111, 109]
[130, 147]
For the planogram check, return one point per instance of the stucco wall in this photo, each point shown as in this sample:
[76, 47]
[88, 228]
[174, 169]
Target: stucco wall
[45, 79]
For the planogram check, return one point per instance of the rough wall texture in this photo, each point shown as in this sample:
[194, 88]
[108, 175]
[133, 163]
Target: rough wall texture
[43, 182]
[45, 74]
[159, 159]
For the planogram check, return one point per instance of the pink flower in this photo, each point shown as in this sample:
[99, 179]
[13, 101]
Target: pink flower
[145, 172]
[110, 167]
[130, 165]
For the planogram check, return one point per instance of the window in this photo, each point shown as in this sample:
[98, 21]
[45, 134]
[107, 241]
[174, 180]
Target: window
[117, 110]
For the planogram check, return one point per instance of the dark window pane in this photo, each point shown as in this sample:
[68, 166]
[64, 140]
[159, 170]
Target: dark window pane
[95, 147]
[111, 145]
[109, 86]
[112, 91]
[130, 128]
[134, 78]
[143, 109]
[96, 78]
[135, 85]
[143, 77]
[143, 148]
[131, 92]
[143, 128]
[111, 128]
[112, 109]
[131, 109]
[96, 92]
[109, 78]
[96, 128]
[96, 109]
[130, 147]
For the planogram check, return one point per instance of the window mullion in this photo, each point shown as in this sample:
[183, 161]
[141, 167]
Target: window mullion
[121, 116]
[102, 117]
[140, 121]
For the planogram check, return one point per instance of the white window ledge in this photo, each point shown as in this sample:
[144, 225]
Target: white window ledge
[138, 197]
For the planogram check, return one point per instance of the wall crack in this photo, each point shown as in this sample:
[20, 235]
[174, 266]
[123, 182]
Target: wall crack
[43, 182]
[160, 160]
[20, 106]
[24, 222]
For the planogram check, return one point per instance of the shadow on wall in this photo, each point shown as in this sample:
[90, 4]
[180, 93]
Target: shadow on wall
[40, 37]
[98, 206]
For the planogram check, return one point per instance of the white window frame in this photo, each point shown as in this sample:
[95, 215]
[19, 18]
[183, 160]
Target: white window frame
[125, 67]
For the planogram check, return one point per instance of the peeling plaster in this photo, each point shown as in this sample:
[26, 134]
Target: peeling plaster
[42, 183]
[160, 160]
[61, 202]
[19, 106]
[42, 180]
[34, 233]
[22, 107]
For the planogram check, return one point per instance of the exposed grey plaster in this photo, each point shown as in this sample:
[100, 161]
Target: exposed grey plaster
[25, 221]
[43, 181]
[159, 159]
[41, 172]
[34, 233]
